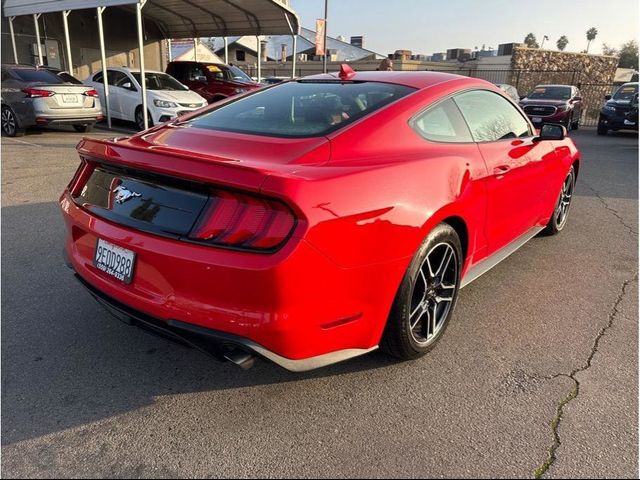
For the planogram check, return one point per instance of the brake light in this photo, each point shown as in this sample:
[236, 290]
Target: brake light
[91, 93]
[36, 92]
[244, 221]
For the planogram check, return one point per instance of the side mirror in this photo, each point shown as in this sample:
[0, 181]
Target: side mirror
[607, 97]
[552, 131]
[577, 99]
[129, 86]
[522, 97]
[201, 78]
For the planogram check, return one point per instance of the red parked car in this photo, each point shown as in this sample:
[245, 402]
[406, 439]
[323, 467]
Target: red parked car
[213, 81]
[554, 104]
[317, 219]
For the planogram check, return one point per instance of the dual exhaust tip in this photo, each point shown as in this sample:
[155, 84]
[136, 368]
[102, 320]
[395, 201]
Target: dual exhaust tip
[241, 358]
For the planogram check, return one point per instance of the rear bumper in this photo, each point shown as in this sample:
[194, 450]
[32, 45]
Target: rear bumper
[295, 307]
[215, 343]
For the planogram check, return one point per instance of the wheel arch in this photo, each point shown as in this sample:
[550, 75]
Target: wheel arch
[460, 226]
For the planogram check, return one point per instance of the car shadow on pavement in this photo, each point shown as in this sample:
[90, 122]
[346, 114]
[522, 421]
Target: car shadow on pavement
[67, 362]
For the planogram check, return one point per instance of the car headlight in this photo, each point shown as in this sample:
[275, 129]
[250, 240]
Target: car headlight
[164, 103]
[609, 108]
[562, 108]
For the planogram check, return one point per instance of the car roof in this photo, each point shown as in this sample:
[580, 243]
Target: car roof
[127, 70]
[417, 79]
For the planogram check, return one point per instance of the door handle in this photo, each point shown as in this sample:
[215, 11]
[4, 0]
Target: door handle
[501, 169]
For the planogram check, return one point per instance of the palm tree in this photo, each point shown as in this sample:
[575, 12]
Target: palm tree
[530, 41]
[592, 33]
[562, 43]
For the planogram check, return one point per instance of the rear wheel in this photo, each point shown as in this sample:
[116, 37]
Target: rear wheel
[559, 218]
[140, 119]
[426, 298]
[10, 126]
[83, 128]
[575, 124]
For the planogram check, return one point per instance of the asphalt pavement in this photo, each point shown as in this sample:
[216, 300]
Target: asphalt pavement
[537, 373]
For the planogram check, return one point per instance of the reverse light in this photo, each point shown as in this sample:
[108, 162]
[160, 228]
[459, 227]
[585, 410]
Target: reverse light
[91, 93]
[244, 222]
[37, 92]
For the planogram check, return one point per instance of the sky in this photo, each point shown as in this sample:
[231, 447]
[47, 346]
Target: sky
[428, 26]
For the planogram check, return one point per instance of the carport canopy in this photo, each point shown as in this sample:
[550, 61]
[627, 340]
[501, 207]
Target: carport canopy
[185, 18]
[174, 18]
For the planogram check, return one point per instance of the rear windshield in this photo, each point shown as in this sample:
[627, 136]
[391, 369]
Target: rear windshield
[33, 75]
[301, 109]
[626, 92]
[551, 93]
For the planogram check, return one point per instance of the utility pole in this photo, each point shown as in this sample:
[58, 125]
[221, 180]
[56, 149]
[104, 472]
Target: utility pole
[326, 11]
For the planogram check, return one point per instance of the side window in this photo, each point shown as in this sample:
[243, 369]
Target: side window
[491, 117]
[196, 74]
[115, 78]
[442, 123]
[98, 77]
[178, 71]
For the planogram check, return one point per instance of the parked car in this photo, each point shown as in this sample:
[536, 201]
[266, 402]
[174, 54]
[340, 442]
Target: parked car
[554, 104]
[167, 98]
[316, 220]
[35, 96]
[613, 115]
[274, 80]
[510, 90]
[214, 81]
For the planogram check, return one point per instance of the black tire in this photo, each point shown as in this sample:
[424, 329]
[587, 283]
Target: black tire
[10, 125]
[602, 130]
[575, 125]
[140, 119]
[560, 214]
[399, 339]
[83, 128]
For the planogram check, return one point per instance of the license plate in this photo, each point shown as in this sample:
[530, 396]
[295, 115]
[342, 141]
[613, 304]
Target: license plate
[69, 98]
[115, 261]
[536, 119]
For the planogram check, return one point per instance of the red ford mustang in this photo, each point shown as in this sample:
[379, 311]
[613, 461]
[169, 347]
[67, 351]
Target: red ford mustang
[316, 220]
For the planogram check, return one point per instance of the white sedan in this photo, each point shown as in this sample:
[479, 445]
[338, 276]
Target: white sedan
[166, 97]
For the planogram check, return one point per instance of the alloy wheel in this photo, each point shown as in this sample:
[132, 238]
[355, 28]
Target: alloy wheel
[433, 293]
[8, 122]
[562, 209]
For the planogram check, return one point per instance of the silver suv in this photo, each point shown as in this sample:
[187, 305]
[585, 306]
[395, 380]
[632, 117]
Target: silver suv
[37, 96]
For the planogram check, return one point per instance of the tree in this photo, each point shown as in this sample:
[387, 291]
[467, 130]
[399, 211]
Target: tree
[629, 55]
[607, 50]
[592, 33]
[530, 41]
[562, 43]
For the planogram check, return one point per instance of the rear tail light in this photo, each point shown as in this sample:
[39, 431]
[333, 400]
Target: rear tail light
[80, 178]
[91, 93]
[244, 222]
[36, 92]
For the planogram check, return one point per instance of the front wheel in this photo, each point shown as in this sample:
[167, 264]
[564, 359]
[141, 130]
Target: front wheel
[140, 119]
[426, 298]
[559, 218]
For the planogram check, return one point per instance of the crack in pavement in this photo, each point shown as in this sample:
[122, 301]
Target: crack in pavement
[575, 391]
[612, 210]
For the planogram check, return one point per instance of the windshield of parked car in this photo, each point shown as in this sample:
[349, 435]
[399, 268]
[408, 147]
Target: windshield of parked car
[232, 73]
[302, 108]
[550, 93]
[626, 92]
[159, 81]
[33, 75]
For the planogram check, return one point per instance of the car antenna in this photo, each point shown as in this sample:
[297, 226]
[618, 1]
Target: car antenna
[346, 72]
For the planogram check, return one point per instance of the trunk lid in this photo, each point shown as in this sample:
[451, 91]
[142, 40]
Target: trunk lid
[66, 95]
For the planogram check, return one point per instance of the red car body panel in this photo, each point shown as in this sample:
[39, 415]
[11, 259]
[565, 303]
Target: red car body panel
[365, 198]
